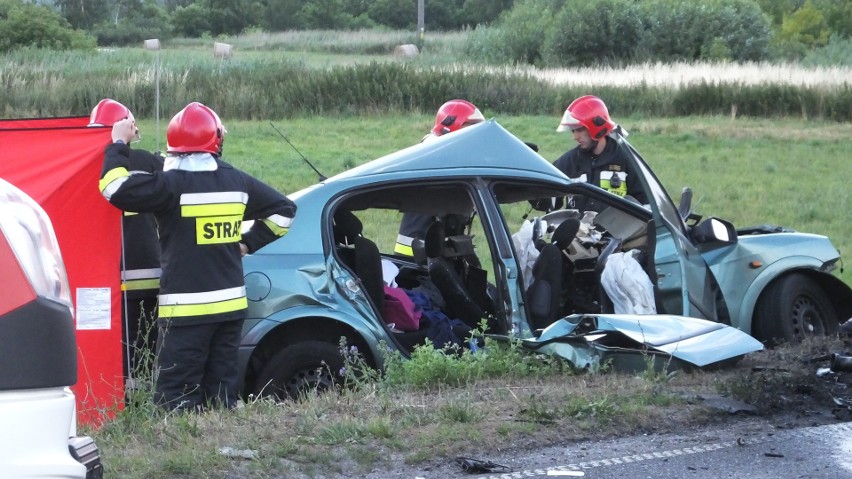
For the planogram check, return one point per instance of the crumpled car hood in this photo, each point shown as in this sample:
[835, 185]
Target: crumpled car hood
[588, 340]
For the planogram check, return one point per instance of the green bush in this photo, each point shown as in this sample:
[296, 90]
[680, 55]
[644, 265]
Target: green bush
[191, 21]
[576, 32]
[149, 21]
[325, 15]
[29, 25]
[586, 33]
[522, 32]
[712, 30]
[838, 52]
[398, 14]
[806, 25]
[280, 15]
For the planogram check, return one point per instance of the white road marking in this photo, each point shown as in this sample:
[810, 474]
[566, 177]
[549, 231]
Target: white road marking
[574, 468]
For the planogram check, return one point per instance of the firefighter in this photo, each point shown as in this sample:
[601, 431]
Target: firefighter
[452, 116]
[200, 203]
[596, 159]
[140, 268]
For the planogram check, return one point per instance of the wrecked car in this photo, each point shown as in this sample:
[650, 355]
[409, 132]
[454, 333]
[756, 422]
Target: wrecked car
[716, 292]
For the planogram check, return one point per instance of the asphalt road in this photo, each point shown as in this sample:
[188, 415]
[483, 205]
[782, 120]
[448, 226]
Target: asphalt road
[812, 452]
[747, 449]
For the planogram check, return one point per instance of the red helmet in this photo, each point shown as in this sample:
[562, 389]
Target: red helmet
[196, 128]
[590, 113]
[107, 113]
[455, 115]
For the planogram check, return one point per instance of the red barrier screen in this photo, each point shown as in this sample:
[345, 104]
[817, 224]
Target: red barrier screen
[57, 161]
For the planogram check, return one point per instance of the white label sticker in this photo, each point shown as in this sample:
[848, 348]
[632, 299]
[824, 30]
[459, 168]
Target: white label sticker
[94, 308]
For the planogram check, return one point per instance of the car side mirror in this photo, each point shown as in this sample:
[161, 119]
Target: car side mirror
[714, 232]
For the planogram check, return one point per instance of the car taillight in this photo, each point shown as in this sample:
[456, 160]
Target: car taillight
[28, 230]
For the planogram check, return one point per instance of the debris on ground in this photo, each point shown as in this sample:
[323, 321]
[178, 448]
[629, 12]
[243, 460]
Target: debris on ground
[477, 466]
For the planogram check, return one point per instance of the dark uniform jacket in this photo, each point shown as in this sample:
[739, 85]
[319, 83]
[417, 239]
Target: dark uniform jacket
[200, 203]
[413, 226]
[610, 170]
[141, 271]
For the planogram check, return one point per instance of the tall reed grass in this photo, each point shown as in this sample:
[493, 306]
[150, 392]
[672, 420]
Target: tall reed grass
[275, 83]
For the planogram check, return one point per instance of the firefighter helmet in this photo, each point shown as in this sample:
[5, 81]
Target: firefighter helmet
[196, 128]
[588, 112]
[107, 113]
[455, 115]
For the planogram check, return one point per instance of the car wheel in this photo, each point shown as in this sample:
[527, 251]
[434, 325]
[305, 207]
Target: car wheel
[299, 369]
[793, 308]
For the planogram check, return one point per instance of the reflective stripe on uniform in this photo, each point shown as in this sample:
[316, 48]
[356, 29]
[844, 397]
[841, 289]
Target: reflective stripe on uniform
[280, 221]
[403, 245]
[218, 216]
[279, 225]
[141, 284]
[112, 180]
[203, 303]
[213, 204]
[139, 279]
[142, 273]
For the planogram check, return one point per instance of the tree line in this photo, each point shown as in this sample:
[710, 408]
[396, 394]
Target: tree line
[543, 32]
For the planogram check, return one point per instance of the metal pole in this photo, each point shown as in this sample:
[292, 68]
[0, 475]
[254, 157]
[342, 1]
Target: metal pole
[421, 20]
[154, 44]
[157, 98]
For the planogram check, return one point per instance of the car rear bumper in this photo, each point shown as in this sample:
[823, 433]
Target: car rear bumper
[35, 442]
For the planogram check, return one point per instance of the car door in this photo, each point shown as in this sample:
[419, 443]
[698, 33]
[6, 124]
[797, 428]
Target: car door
[684, 282]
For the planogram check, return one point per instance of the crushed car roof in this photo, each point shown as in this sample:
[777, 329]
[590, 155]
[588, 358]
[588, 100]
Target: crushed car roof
[485, 144]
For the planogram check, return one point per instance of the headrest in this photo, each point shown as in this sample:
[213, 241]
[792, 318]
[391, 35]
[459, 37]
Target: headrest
[347, 227]
[565, 233]
[454, 224]
[434, 241]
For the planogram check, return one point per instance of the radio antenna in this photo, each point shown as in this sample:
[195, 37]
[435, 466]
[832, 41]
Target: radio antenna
[321, 176]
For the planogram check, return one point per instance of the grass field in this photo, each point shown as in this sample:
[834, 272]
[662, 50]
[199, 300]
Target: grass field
[749, 171]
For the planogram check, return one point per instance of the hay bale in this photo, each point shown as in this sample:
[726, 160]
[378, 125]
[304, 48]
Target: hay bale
[406, 51]
[152, 44]
[221, 50]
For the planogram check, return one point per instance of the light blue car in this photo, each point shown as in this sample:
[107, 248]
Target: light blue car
[716, 293]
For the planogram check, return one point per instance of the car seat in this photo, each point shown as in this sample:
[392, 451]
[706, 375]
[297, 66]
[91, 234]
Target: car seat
[448, 280]
[361, 255]
[544, 294]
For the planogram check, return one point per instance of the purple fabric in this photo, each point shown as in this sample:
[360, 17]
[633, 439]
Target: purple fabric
[400, 310]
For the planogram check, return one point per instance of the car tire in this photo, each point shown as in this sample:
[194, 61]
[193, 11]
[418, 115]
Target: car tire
[792, 308]
[298, 369]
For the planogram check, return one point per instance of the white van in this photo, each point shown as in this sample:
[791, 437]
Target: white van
[38, 352]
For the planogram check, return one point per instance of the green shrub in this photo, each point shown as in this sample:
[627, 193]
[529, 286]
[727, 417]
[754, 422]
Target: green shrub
[29, 25]
[325, 14]
[191, 21]
[148, 21]
[398, 14]
[838, 52]
[586, 33]
[713, 30]
[518, 36]
[806, 25]
[576, 32]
